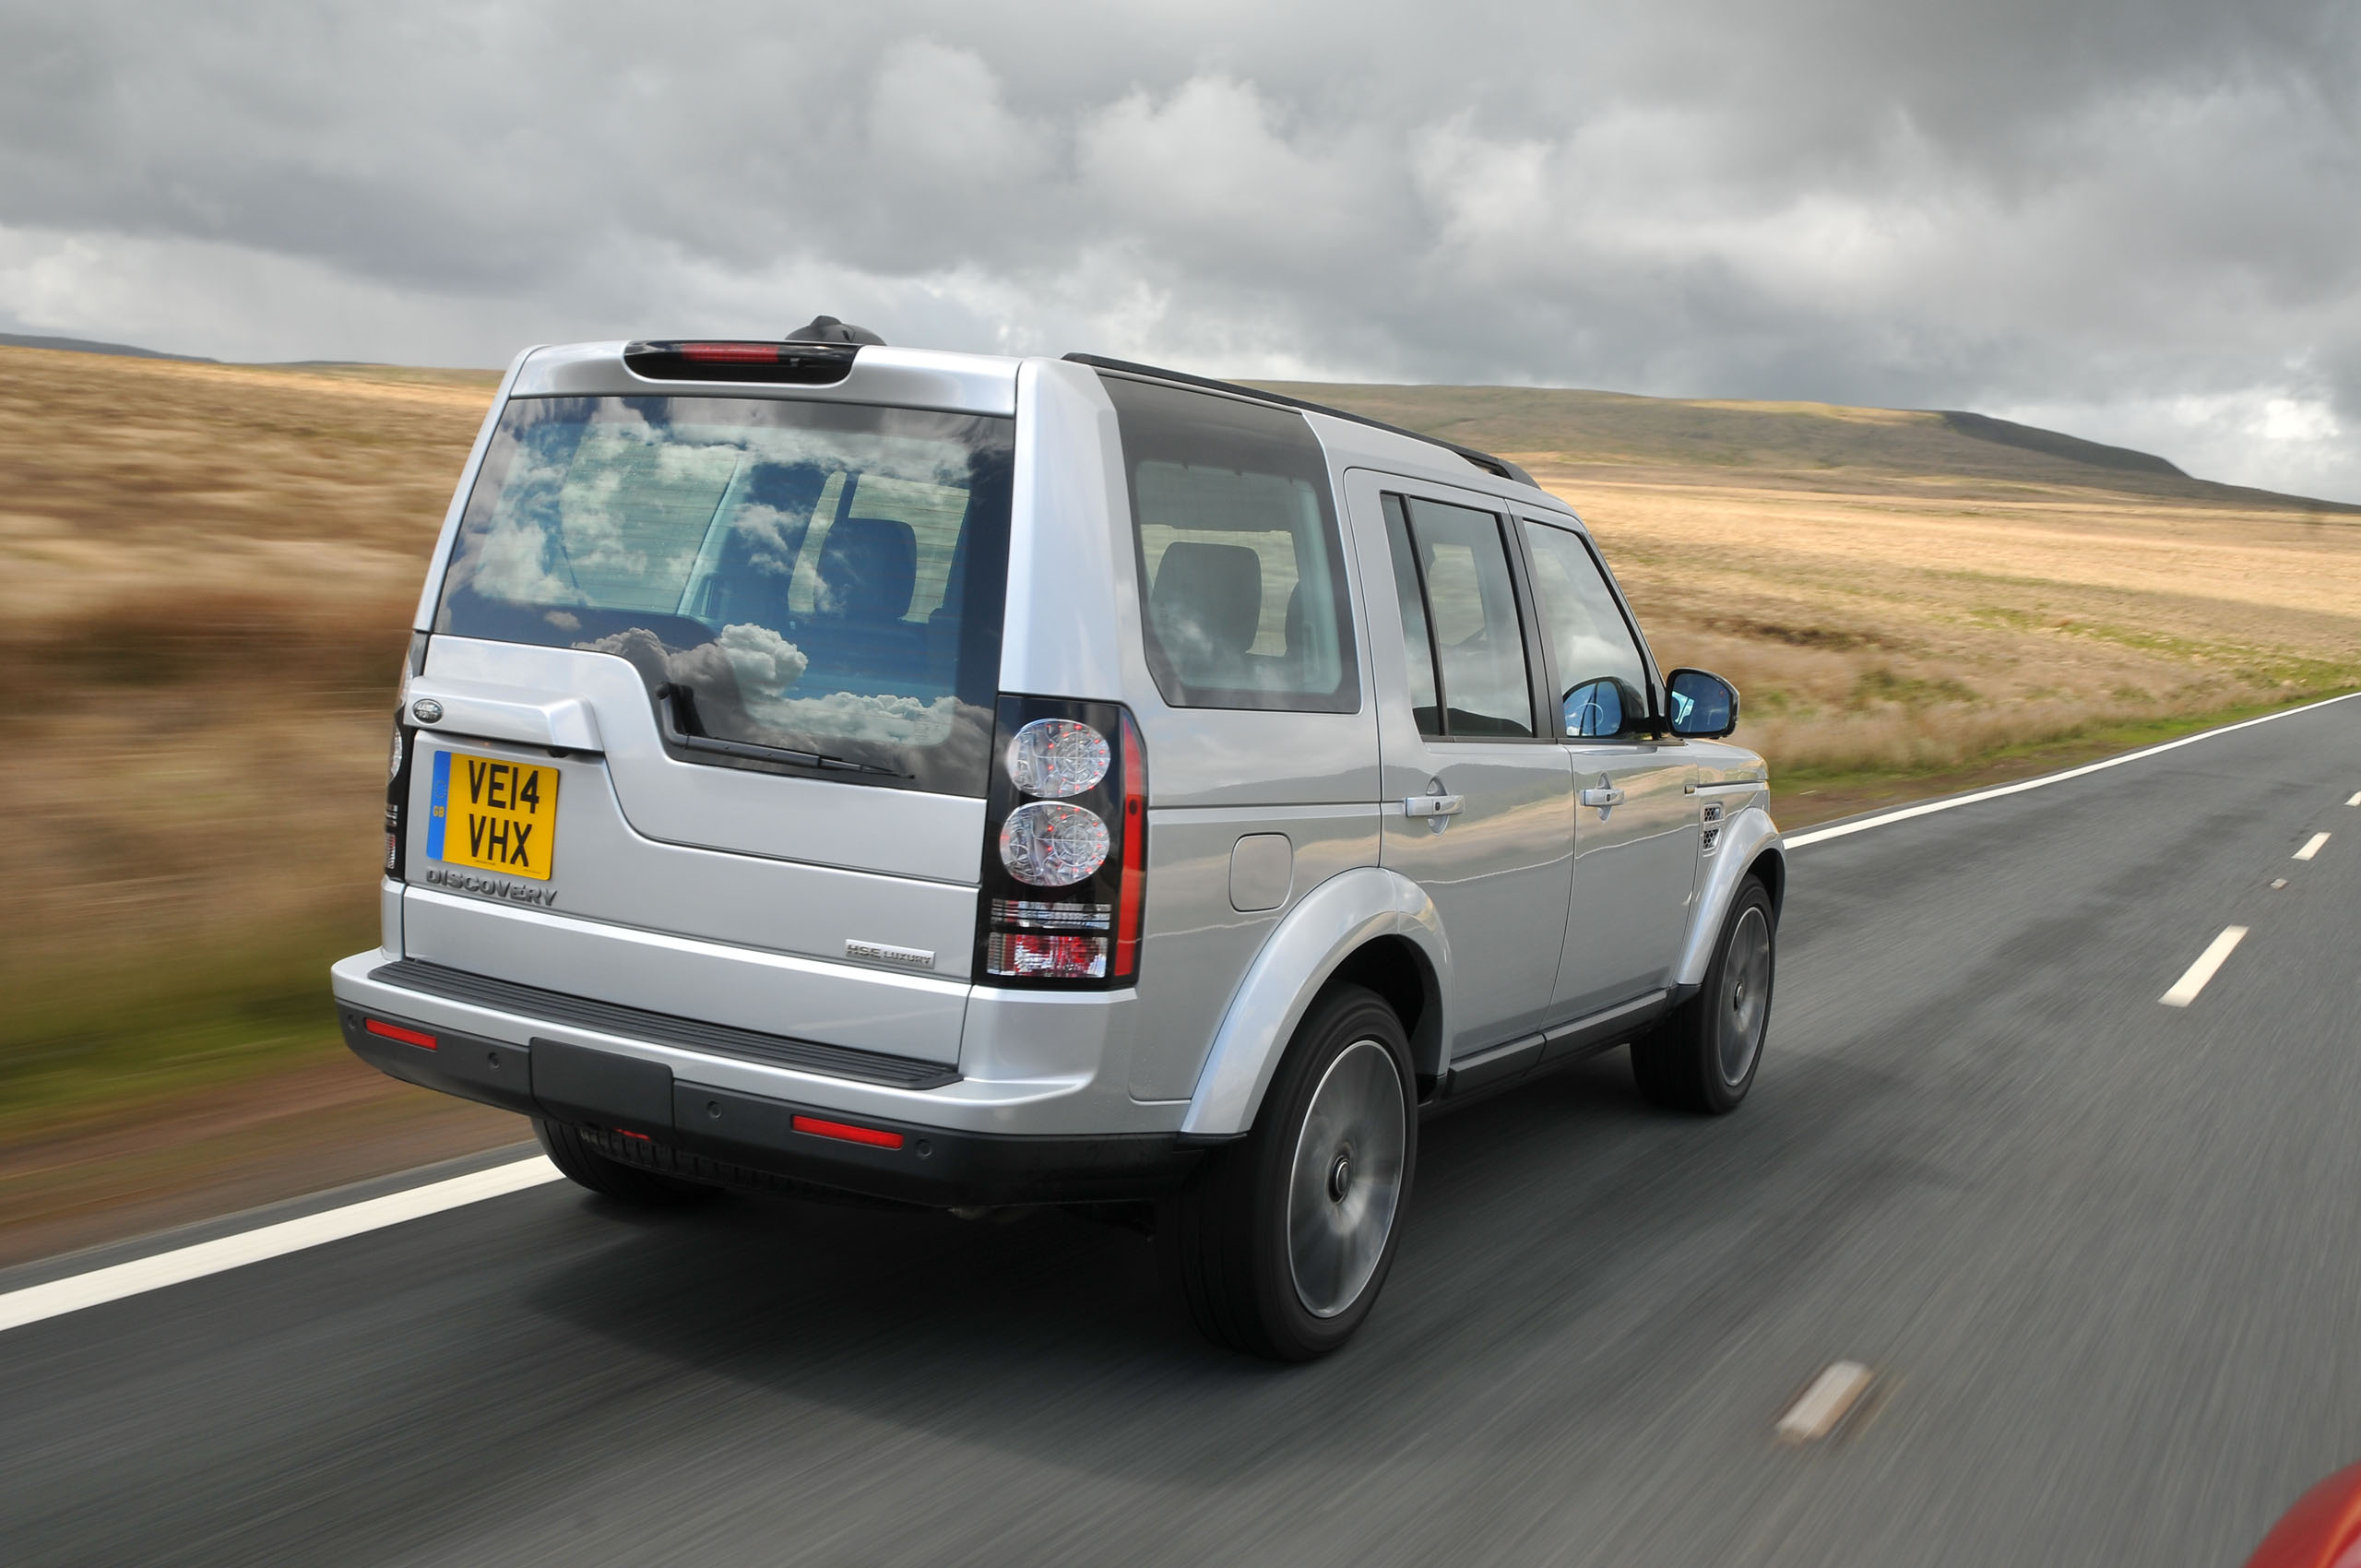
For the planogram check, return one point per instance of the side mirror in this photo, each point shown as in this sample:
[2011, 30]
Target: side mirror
[1704, 706]
[1602, 709]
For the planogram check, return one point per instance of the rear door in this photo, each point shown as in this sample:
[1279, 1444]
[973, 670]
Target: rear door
[1636, 812]
[1477, 803]
[717, 677]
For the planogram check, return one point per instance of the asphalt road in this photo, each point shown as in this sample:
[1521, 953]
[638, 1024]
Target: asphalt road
[2099, 1250]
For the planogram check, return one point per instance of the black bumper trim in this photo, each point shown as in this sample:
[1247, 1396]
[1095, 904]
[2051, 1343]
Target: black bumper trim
[635, 1111]
[744, 1140]
[663, 1029]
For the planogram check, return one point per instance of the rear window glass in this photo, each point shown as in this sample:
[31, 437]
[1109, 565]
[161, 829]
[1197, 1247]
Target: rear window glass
[817, 579]
[1241, 571]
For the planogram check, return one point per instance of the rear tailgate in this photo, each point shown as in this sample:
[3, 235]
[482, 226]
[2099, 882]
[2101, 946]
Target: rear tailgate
[842, 913]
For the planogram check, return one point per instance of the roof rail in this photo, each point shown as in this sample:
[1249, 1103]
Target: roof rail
[1501, 467]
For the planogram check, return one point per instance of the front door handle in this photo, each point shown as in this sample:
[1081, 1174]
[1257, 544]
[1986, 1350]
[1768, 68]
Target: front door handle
[1603, 796]
[1434, 805]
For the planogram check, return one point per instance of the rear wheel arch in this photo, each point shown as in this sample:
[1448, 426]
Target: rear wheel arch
[1400, 974]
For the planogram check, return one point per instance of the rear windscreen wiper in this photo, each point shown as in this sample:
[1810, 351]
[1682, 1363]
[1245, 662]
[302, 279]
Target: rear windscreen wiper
[680, 730]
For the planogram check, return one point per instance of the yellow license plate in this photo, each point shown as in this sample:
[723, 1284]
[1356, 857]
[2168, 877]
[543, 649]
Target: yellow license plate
[493, 815]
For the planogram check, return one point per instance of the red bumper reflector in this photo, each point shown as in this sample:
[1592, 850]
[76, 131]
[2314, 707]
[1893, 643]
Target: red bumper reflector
[394, 1031]
[875, 1137]
[627, 1132]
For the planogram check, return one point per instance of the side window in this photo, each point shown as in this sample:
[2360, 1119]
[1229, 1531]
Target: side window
[1241, 567]
[1602, 676]
[1450, 571]
[1416, 639]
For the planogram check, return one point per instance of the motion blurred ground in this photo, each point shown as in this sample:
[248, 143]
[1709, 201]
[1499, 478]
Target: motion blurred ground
[210, 573]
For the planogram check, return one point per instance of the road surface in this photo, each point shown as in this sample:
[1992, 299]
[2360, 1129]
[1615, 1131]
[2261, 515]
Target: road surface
[2099, 1252]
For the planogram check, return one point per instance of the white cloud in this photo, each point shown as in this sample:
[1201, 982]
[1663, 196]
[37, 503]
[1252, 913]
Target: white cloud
[2073, 204]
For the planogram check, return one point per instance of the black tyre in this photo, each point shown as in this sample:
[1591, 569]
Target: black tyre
[1281, 1242]
[611, 1178]
[1703, 1056]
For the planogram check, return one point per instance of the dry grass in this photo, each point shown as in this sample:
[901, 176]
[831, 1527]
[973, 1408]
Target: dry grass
[209, 572]
[1883, 634]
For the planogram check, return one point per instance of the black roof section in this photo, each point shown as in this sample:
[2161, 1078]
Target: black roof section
[1484, 460]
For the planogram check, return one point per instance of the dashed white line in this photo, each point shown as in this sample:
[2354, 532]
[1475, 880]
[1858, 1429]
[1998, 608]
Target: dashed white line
[2311, 847]
[2185, 989]
[59, 1297]
[1832, 1394]
[2354, 799]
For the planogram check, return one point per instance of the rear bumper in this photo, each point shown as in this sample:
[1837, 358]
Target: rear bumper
[681, 1110]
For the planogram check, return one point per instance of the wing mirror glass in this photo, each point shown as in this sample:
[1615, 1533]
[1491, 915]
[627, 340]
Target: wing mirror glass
[1704, 706]
[1603, 707]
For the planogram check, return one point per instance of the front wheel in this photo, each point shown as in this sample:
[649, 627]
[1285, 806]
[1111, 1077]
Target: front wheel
[1282, 1242]
[1703, 1056]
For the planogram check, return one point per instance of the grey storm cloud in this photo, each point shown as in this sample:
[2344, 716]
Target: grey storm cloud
[2141, 223]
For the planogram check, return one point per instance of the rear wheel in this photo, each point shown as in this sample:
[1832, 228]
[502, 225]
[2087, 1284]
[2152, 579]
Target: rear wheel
[1282, 1242]
[611, 1178]
[1703, 1056]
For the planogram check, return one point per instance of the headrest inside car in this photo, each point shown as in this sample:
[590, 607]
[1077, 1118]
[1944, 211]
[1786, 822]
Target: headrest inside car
[1207, 600]
[869, 568]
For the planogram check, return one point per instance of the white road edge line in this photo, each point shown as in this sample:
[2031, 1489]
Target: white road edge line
[2185, 989]
[59, 1297]
[1832, 1394]
[1930, 807]
[2311, 847]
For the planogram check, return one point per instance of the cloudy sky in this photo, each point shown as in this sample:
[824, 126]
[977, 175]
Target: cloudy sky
[2139, 222]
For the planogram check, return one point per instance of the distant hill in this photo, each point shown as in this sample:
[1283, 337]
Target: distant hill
[1821, 444]
[89, 346]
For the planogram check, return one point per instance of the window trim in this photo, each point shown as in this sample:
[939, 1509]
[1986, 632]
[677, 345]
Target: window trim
[1503, 515]
[1655, 734]
[1176, 690]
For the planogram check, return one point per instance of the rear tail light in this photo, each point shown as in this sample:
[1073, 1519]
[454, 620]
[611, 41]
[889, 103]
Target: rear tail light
[398, 765]
[397, 758]
[1065, 847]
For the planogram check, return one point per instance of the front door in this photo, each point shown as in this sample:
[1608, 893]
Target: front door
[1636, 820]
[1478, 800]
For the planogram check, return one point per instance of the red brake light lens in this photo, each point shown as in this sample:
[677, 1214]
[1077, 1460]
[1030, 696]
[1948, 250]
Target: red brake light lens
[1065, 861]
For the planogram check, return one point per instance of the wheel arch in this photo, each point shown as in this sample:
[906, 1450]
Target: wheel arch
[1749, 846]
[1368, 926]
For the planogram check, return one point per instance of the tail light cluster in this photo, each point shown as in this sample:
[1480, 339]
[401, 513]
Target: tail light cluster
[1065, 847]
[396, 797]
[398, 760]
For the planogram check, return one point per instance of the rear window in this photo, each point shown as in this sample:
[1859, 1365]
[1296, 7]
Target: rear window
[1241, 567]
[794, 580]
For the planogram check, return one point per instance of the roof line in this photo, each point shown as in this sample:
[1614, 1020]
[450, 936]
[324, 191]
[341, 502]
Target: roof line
[1499, 467]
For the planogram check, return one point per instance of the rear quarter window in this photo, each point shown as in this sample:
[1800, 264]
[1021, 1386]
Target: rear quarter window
[1242, 571]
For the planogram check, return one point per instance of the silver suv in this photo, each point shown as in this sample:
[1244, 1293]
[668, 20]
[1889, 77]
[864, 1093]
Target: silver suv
[969, 782]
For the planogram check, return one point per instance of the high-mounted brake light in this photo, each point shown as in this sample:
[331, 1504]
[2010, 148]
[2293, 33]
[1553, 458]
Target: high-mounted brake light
[1065, 861]
[795, 365]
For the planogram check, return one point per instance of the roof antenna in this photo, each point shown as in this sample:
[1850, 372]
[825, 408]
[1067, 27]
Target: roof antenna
[828, 329]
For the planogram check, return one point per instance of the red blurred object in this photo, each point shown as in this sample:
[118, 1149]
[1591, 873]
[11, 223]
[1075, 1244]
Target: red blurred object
[2323, 1531]
[877, 1137]
[394, 1031]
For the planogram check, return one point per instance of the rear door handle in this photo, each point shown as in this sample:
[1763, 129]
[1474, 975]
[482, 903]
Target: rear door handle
[1603, 796]
[1434, 805]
